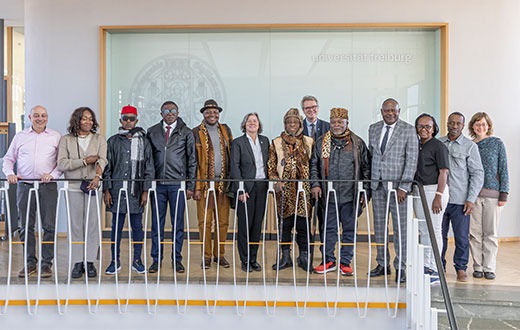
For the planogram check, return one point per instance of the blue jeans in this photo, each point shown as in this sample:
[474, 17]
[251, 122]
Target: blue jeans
[167, 195]
[347, 221]
[460, 226]
[136, 222]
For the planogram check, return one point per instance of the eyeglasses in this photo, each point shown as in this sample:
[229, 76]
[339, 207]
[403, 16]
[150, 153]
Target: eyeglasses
[314, 107]
[126, 118]
[167, 111]
[426, 127]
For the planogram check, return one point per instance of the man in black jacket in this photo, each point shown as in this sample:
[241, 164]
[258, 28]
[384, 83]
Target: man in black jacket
[339, 155]
[129, 157]
[175, 160]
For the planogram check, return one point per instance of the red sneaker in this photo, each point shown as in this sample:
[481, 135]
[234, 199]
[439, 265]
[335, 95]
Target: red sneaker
[329, 266]
[345, 269]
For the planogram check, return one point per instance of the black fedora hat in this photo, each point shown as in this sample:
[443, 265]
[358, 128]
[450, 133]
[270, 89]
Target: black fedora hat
[210, 104]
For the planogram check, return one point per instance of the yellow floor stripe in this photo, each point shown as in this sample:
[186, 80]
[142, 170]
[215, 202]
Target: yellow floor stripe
[223, 303]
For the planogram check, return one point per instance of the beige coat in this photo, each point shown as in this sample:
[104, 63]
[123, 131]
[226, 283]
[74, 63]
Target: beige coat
[71, 162]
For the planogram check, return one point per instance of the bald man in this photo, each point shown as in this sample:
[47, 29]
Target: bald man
[35, 150]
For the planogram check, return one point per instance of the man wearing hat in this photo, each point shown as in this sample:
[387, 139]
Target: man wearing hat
[339, 155]
[289, 156]
[129, 157]
[213, 143]
[175, 160]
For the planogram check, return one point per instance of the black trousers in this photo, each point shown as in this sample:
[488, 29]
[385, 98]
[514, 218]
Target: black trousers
[252, 226]
[48, 196]
[302, 231]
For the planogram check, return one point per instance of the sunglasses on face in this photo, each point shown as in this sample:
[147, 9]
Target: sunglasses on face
[128, 118]
[167, 111]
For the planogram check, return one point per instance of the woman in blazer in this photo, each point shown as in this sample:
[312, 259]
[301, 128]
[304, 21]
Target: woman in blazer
[249, 154]
[82, 154]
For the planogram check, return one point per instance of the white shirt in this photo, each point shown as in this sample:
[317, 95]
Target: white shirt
[172, 127]
[390, 131]
[259, 159]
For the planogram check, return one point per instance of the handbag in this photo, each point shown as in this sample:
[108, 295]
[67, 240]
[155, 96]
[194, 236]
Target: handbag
[84, 186]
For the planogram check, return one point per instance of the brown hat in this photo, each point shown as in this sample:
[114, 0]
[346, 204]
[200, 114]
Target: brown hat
[292, 113]
[210, 104]
[339, 113]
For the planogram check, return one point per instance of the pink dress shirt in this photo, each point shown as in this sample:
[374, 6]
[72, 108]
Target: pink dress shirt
[34, 154]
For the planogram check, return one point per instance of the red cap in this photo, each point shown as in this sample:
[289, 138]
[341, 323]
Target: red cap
[128, 109]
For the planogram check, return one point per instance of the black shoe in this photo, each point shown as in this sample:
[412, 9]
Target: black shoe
[45, 271]
[402, 278]
[91, 270]
[303, 261]
[154, 267]
[78, 270]
[31, 269]
[254, 265]
[206, 263]
[478, 274]
[380, 271]
[285, 261]
[222, 261]
[489, 275]
[179, 268]
[245, 267]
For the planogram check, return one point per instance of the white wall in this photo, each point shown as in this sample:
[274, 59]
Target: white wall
[62, 57]
[12, 12]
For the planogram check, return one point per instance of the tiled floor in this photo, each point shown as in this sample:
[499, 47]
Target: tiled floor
[508, 270]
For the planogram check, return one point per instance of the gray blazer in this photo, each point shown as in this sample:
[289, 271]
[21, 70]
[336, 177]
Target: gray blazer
[399, 162]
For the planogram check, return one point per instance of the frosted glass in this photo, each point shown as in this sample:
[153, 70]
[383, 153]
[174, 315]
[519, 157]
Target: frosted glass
[270, 71]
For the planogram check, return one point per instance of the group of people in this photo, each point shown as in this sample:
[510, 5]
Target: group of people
[301, 162]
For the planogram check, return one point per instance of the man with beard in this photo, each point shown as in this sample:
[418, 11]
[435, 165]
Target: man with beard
[339, 155]
[129, 157]
[289, 156]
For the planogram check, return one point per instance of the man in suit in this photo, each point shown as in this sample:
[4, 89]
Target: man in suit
[394, 146]
[312, 125]
[249, 155]
[314, 128]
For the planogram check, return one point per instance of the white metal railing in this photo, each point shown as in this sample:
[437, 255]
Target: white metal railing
[419, 313]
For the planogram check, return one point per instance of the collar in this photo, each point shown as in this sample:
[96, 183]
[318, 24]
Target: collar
[173, 126]
[391, 126]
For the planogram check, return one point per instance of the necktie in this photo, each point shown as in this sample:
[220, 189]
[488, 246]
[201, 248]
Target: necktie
[313, 131]
[385, 140]
[168, 128]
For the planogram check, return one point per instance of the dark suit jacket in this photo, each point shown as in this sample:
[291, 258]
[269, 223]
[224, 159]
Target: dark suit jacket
[322, 127]
[243, 161]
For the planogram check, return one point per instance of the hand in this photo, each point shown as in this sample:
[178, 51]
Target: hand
[501, 203]
[144, 198]
[437, 204]
[196, 195]
[401, 195]
[316, 192]
[189, 194]
[107, 197]
[243, 197]
[94, 184]
[362, 201]
[468, 208]
[46, 178]
[12, 179]
[278, 186]
[91, 159]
